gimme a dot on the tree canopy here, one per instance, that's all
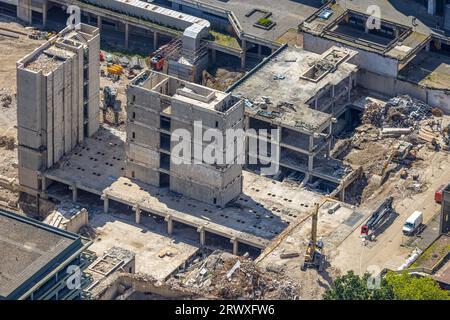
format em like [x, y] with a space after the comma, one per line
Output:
[408, 287]
[393, 286]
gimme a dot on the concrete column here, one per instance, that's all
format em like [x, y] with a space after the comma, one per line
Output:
[43, 183]
[74, 193]
[169, 221]
[259, 50]
[155, 40]
[427, 47]
[24, 11]
[350, 85]
[213, 56]
[202, 232]
[138, 214]
[44, 13]
[311, 143]
[89, 18]
[105, 204]
[127, 33]
[342, 194]
[99, 23]
[310, 163]
[316, 102]
[432, 7]
[235, 244]
[244, 54]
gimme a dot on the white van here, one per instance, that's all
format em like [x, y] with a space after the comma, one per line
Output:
[412, 223]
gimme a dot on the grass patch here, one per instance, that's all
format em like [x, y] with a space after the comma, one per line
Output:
[264, 22]
[439, 249]
[224, 40]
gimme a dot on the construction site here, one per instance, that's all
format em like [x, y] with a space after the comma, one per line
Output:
[90, 146]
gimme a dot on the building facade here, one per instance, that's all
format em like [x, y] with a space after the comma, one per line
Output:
[57, 101]
[159, 105]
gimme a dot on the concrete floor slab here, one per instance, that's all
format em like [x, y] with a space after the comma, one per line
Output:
[263, 211]
[147, 240]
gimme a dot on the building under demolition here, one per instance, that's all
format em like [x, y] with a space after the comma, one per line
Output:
[157, 106]
[57, 101]
[306, 96]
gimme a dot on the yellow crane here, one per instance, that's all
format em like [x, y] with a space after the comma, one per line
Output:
[314, 256]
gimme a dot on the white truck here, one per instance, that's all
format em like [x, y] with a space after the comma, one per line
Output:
[412, 223]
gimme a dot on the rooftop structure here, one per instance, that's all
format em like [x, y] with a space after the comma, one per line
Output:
[395, 41]
[151, 12]
[35, 258]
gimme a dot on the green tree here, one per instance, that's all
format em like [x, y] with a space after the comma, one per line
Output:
[354, 287]
[408, 287]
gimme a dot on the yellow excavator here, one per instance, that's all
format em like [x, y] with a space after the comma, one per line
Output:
[314, 256]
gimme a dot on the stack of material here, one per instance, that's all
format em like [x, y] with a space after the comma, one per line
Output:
[398, 112]
[229, 277]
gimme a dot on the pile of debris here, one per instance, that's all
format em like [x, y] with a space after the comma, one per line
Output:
[226, 276]
[398, 112]
[222, 79]
[7, 142]
[6, 98]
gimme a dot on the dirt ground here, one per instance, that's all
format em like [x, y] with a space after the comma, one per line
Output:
[120, 85]
[387, 251]
[344, 248]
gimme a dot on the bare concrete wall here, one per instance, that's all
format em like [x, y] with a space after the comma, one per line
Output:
[392, 87]
[364, 59]
[94, 85]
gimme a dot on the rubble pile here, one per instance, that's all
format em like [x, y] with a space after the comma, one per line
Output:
[398, 112]
[7, 142]
[229, 277]
[221, 79]
[6, 98]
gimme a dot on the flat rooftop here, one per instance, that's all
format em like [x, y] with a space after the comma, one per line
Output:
[397, 38]
[156, 254]
[283, 78]
[27, 247]
[48, 57]
[263, 211]
[429, 69]
[286, 13]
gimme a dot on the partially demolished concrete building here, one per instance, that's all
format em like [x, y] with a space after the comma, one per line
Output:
[57, 101]
[305, 96]
[157, 106]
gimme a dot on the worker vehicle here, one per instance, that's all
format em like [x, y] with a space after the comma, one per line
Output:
[157, 62]
[159, 57]
[314, 256]
[115, 69]
[378, 217]
[412, 223]
[109, 97]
